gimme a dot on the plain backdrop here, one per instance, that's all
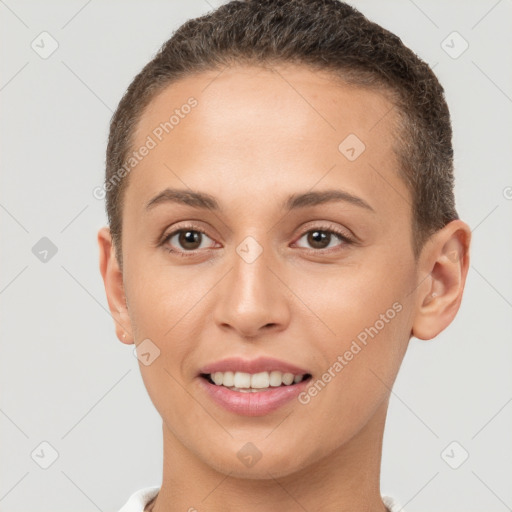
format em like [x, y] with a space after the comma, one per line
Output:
[72, 398]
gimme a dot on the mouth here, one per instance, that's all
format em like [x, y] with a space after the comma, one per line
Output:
[253, 394]
[253, 387]
[243, 382]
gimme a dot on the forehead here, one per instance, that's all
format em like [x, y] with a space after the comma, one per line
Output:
[259, 130]
[245, 101]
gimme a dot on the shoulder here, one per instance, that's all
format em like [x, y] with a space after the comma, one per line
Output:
[392, 504]
[139, 499]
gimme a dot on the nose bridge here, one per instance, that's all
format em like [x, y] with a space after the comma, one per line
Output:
[251, 297]
[251, 272]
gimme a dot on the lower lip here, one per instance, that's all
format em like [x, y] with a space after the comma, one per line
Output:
[253, 403]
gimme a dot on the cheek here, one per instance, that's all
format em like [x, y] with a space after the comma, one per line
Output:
[362, 362]
[349, 299]
[162, 327]
[367, 313]
[167, 306]
[158, 296]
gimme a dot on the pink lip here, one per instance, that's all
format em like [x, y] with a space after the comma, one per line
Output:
[253, 404]
[261, 364]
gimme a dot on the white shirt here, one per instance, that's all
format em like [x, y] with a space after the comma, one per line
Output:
[138, 500]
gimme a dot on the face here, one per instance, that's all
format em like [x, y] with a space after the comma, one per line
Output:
[300, 252]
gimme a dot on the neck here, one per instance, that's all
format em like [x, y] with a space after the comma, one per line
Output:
[346, 480]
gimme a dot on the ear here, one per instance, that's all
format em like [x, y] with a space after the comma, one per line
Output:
[114, 287]
[444, 264]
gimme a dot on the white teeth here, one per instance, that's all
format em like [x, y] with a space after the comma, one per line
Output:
[241, 381]
[260, 380]
[217, 378]
[228, 379]
[287, 378]
[275, 378]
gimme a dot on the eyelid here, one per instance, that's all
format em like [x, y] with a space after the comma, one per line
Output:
[326, 226]
[191, 225]
[320, 225]
[177, 229]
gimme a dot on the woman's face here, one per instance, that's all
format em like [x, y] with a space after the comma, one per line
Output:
[252, 277]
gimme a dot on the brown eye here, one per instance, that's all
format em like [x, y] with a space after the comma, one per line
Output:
[189, 239]
[319, 239]
[322, 238]
[186, 240]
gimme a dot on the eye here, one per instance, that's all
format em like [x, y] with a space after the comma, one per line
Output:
[187, 239]
[321, 238]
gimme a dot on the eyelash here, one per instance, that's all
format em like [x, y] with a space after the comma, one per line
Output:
[185, 254]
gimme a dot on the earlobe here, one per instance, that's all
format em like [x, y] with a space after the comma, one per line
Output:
[114, 287]
[445, 263]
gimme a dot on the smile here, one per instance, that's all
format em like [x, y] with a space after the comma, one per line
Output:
[247, 382]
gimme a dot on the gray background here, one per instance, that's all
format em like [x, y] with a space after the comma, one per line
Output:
[66, 380]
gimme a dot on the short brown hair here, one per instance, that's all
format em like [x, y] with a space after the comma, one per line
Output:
[322, 34]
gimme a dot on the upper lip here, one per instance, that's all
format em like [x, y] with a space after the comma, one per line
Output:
[260, 364]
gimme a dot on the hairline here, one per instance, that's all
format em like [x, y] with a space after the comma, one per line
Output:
[345, 76]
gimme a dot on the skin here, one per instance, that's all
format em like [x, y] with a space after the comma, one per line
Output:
[256, 136]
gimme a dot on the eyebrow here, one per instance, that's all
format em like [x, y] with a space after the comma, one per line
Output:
[295, 201]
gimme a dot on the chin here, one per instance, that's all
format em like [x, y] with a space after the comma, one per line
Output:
[256, 461]
[260, 471]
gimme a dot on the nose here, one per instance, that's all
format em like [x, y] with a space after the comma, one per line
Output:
[252, 298]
